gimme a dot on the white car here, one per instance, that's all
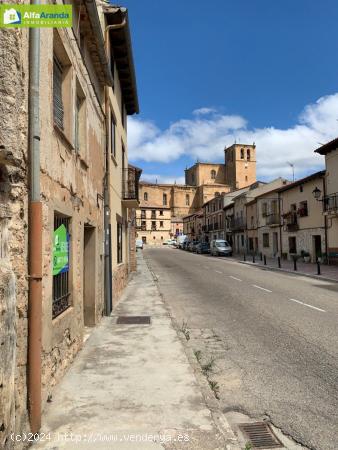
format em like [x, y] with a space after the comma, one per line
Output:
[219, 247]
[139, 244]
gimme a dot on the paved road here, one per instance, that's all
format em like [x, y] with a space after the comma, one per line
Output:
[274, 337]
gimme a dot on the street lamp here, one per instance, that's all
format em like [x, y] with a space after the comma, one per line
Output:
[317, 193]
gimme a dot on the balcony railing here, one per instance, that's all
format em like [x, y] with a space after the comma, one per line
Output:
[130, 183]
[331, 203]
[273, 219]
[291, 221]
[239, 224]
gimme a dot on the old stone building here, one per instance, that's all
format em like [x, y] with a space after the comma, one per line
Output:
[328, 196]
[203, 181]
[67, 198]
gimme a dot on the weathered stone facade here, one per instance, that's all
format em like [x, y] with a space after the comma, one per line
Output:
[13, 233]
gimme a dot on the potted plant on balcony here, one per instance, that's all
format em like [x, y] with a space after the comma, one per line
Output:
[306, 256]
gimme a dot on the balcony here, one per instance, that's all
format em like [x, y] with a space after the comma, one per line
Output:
[273, 219]
[130, 187]
[331, 204]
[239, 224]
[291, 221]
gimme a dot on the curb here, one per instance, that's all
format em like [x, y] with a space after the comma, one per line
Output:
[290, 272]
[220, 421]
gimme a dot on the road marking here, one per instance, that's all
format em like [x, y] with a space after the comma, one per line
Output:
[263, 289]
[235, 278]
[305, 304]
[218, 271]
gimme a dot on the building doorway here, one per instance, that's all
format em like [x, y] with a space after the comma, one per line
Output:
[89, 275]
[317, 247]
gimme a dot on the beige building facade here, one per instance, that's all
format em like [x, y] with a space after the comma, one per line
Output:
[56, 242]
[303, 224]
[329, 197]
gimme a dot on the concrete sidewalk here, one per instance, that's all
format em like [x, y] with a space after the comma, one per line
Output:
[329, 273]
[132, 385]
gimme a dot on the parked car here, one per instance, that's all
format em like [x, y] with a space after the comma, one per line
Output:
[203, 247]
[139, 244]
[186, 245]
[181, 240]
[169, 242]
[219, 247]
[194, 246]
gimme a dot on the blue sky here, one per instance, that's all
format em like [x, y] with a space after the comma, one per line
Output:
[212, 72]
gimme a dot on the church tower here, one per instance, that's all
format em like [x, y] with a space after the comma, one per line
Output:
[240, 165]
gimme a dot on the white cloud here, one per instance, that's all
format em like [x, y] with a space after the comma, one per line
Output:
[204, 111]
[204, 138]
[161, 179]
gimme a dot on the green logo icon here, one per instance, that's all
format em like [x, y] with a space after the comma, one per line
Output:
[35, 16]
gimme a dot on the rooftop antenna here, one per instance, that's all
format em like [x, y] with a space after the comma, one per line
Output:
[293, 170]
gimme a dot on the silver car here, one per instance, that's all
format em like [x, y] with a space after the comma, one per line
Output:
[219, 247]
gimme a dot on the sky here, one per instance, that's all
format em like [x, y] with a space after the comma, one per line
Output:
[212, 73]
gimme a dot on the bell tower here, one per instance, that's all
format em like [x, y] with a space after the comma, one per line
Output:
[240, 165]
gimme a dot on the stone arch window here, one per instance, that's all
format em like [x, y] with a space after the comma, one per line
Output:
[217, 194]
[187, 200]
[242, 153]
[213, 174]
[248, 154]
[145, 196]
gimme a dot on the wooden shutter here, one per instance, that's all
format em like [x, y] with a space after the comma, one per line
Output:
[57, 94]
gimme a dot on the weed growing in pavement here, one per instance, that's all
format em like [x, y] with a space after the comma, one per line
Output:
[207, 368]
[185, 331]
[198, 355]
[248, 446]
[214, 387]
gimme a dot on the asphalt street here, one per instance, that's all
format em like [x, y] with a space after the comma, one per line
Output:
[274, 338]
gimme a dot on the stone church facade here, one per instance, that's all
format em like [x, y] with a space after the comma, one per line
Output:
[203, 181]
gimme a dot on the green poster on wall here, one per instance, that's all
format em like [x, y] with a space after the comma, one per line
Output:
[60, 250]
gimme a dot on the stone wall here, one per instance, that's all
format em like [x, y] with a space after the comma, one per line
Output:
[120, 280]
[13, 233]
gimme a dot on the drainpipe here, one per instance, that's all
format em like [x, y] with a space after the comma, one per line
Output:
[325, 221]
[34, 237]
[108, 275]
[280, 224]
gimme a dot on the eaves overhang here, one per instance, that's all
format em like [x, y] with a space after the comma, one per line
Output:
[90, 23]
[121, 48]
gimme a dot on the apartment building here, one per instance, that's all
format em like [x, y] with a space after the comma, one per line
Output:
[57, 275]
[328, 196]
[214, 218]
[193, 226]
[155, 228]
[302, 221]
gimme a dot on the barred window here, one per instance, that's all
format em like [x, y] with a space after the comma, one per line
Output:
[61, 289]
[58, 109]
[119, 242]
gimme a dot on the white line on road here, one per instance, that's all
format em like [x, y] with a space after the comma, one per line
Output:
[305, 304]
[235, 278]
[218, 271]
[263, 289]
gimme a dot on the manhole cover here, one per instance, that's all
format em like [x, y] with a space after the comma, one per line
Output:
[133, 320]
[260, 435]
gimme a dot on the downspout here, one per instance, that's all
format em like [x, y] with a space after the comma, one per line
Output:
[280, 225]
[325, 221]
[108, 273]
[34, 237]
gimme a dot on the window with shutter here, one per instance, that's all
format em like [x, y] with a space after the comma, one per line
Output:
[58, 110]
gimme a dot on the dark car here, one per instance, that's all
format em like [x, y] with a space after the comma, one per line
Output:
[193, 246]
[202, 247]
